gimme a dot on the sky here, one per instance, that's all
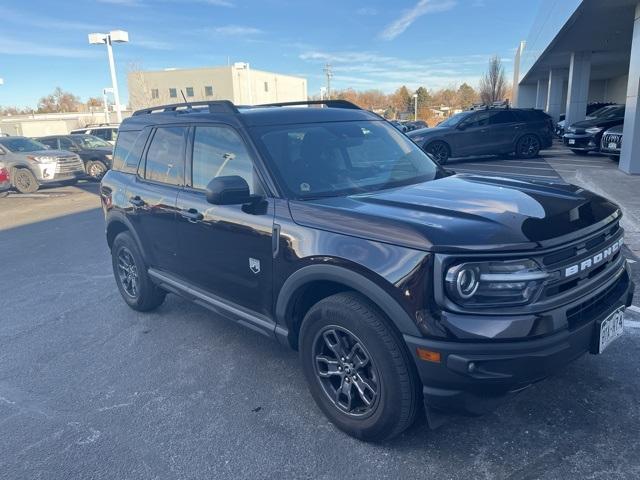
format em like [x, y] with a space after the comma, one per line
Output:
[375, 44]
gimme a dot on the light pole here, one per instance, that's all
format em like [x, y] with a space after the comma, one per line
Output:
[105, 102]
[323, 92]
[117, 36]
[415, 107]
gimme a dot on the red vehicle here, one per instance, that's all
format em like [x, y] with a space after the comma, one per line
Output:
[5, 183]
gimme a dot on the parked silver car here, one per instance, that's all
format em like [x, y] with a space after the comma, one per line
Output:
[31, 164]
[611, 142]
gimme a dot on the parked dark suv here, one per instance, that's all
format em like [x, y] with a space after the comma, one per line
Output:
[94, 152]
[586, 136]
[330, 231]
[487, 131]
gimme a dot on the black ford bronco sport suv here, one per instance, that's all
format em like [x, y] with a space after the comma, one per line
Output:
[402, 285]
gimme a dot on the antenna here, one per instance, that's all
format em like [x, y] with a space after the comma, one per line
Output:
[185, 100]
[328, 71]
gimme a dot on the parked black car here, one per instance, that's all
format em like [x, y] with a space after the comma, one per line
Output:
[490, 131]
[611, 143]
[585, 136]
[594, 109]
[97, 154]
[415, 125]
[330, 231]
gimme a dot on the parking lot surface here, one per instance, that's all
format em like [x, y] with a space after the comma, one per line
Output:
[92, 389]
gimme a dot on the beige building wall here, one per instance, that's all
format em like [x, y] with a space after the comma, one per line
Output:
[238, 83]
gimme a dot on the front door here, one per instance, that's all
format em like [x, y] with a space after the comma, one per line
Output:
[225, 250]
[471, 136]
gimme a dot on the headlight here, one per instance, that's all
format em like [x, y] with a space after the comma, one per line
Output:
[593, 130]
[480, 284]
[42, 158]
[571, 130]
[109, 157]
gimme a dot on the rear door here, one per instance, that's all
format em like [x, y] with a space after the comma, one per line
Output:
[226, 250]
[152, 197]
[504, 128]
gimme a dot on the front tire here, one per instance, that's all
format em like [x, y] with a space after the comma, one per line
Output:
[357, 368]
[131, 275]
[96, 169]
[24, 181]
[439, 150]
[528, 146]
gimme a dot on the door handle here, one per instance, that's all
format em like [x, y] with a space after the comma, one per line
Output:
[136, 202]
[192, 215]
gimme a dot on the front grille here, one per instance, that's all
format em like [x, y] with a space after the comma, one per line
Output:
[68, 165]
[597, 304]
[612, 138]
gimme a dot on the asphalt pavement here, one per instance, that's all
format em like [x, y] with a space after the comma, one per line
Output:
[90, 389]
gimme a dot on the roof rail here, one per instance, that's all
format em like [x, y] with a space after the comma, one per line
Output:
[215, 106]
[328, 103]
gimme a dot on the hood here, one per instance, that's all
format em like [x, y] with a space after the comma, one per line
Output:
[463, 212]
[597, 122]
[426, 132]
[49, 153]
[617, 130]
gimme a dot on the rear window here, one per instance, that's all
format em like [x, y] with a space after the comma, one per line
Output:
[128, 151]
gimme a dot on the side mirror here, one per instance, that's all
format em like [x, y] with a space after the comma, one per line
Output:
[230, 190]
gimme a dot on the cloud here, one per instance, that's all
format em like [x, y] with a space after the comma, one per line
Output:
[423, 7]
[234, 30]
[363, 69]
[11, 46]
[367, 11]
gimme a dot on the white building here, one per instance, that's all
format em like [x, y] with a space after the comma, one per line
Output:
[582, 51]
[239, 83]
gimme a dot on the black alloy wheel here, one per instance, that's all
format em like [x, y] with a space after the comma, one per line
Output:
[528, 146]
[439, 151]
[346, 371]
[128, 272]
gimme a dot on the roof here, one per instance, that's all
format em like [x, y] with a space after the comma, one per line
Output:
[249, 116]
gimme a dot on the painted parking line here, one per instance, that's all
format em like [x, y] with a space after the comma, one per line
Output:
[634, 308]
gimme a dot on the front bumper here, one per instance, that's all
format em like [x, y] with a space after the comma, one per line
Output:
[585, 142]
[474, 377]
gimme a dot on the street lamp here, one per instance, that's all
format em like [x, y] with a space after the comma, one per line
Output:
[117, 36]
[415, 107]
[105, 102]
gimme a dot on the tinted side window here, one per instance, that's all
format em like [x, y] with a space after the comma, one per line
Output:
[128, 150]
[50, 142]
[220, 151]
[480, 119]
[503, 117]
[66, 144]
[165, 157]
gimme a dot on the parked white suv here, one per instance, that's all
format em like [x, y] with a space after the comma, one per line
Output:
[31, 164]
[104, 131]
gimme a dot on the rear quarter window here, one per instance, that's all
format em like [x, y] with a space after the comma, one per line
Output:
[128, 150]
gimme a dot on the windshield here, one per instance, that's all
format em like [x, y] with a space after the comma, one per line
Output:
[21, 144]
[615, 112]
[342, 158]
[454, 120]
[90, 141]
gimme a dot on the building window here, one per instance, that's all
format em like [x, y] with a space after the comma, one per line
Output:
[155, 93]
[208, 91]
[173, 93]
[266, 86]
[189, 91]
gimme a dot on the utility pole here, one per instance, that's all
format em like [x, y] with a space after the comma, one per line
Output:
[328, 71]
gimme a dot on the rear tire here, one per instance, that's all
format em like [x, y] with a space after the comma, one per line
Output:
[581, 153]
[24, 181]
[528, 146]
[131, 275]
[357, 368]
[439, 150]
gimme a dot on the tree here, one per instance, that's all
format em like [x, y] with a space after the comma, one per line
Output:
[493, 85]
[94, 102]
[447, 97]
[139, 90]
[59, 101]
[401, 100]
[467, 96]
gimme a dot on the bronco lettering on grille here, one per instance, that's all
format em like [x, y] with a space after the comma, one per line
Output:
[594, 260]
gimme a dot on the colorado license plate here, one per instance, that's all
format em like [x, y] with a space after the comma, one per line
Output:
[572, 141]
[613, 145]
[611, 328]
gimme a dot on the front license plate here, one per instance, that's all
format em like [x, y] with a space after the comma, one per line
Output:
[572, 141]
[613, 146]
[611, 328]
